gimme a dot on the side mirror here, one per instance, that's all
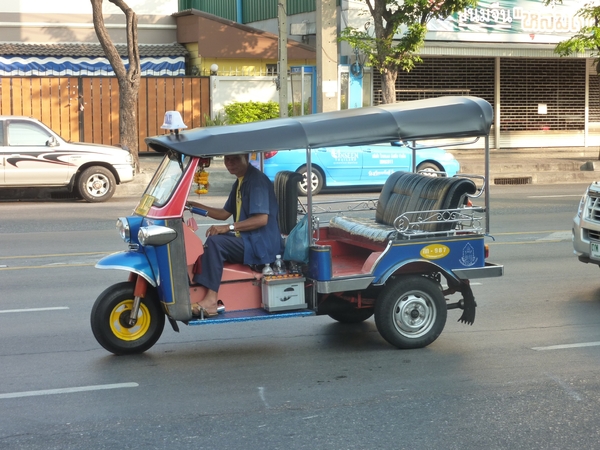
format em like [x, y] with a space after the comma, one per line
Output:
[52, 142]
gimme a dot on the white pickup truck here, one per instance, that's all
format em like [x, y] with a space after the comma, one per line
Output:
[32, 155]
[586, 226]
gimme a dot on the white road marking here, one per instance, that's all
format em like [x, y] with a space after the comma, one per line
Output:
[554, 196]
[32, 309]
[68, 390]
[563, 346]
[557, 236]
[261, 392]
[569, 390]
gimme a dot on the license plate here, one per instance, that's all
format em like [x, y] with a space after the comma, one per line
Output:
[595, 250]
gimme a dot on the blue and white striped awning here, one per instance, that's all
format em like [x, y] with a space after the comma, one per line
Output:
[85, 66]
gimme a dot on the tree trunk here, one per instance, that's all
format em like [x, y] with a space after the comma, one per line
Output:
[128, 123]
[388, 85]
[129, 79]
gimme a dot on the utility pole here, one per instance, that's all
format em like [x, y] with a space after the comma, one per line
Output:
[282, 64]
[327, 51]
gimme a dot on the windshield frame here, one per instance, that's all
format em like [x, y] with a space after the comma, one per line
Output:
[164, 183]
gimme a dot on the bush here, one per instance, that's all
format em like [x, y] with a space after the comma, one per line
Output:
[294, 109]
[243, 112]
[218, 120]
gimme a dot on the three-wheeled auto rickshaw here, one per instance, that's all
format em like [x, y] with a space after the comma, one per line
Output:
[420, 246]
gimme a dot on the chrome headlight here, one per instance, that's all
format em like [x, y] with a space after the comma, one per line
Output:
[123, 229]
[156, 235]
[582, 203]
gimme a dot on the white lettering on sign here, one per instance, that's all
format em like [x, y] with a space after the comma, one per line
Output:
[378, 173]
[531, 21]
[386, 161]
[341, 156]
[485, 15]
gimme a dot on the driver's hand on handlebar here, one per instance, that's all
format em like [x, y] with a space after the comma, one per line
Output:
[217, 229]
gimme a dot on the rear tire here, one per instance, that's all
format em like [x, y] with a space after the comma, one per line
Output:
[411, 312]
[430, 168]
[352, 315]
[109, 320]
[317, 181]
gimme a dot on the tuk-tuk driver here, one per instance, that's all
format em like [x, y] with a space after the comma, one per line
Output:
[253, 237]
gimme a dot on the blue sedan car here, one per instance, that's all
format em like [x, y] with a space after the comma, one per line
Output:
[366, 165]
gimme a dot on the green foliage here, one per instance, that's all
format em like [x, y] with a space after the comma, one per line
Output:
[406, 19]
[243, 112]
[294, 109]
[588, 37]
[218, 120]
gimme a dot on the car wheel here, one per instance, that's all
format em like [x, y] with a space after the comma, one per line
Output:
[96, 184]
[430, 169]
[411, 312]
[317, 181]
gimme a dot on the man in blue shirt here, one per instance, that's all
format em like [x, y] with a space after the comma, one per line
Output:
[252, 238]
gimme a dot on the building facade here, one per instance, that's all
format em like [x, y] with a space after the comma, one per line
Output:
[40, 38]
[502, 51]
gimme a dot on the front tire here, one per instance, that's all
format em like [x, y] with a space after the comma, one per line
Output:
[96, 184]
[109, 320]
[411, 312]
[317, 181]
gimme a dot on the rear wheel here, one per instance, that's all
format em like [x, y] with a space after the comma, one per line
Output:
[430, 169]
[316, 181]
[411, 312]
[96, 184]
[110, 320]
[352, 315]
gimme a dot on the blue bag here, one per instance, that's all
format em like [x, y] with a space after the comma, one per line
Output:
[297, 242]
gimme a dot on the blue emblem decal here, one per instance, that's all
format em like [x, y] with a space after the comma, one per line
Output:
[468, 256]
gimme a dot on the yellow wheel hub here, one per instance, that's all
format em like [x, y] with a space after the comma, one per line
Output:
[120, 316]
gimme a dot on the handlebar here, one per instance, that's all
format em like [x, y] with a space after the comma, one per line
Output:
[199, 211]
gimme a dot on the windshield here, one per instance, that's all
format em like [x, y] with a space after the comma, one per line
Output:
[165, 180]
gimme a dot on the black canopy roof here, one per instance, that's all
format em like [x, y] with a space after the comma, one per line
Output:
[436, 118]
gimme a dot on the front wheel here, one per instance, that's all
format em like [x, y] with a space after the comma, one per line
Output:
[411, 312]
[110, 320]
[96, 184]
[315, 181]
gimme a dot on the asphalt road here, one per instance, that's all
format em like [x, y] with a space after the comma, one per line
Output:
[525, 375]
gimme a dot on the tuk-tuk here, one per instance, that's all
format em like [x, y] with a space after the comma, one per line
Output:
[421, 244]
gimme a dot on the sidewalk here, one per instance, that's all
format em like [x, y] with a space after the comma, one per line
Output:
[534, 165]
[507, 166]
[220, 179]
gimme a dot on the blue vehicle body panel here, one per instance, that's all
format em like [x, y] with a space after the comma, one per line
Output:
[161, 262]
[360, 165]
[446, 254]
[166, 292]
[135, 262]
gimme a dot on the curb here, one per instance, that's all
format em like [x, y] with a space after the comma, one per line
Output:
[220, 179]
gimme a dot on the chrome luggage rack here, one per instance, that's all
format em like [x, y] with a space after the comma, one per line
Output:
[340, 206]
[413, 224]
